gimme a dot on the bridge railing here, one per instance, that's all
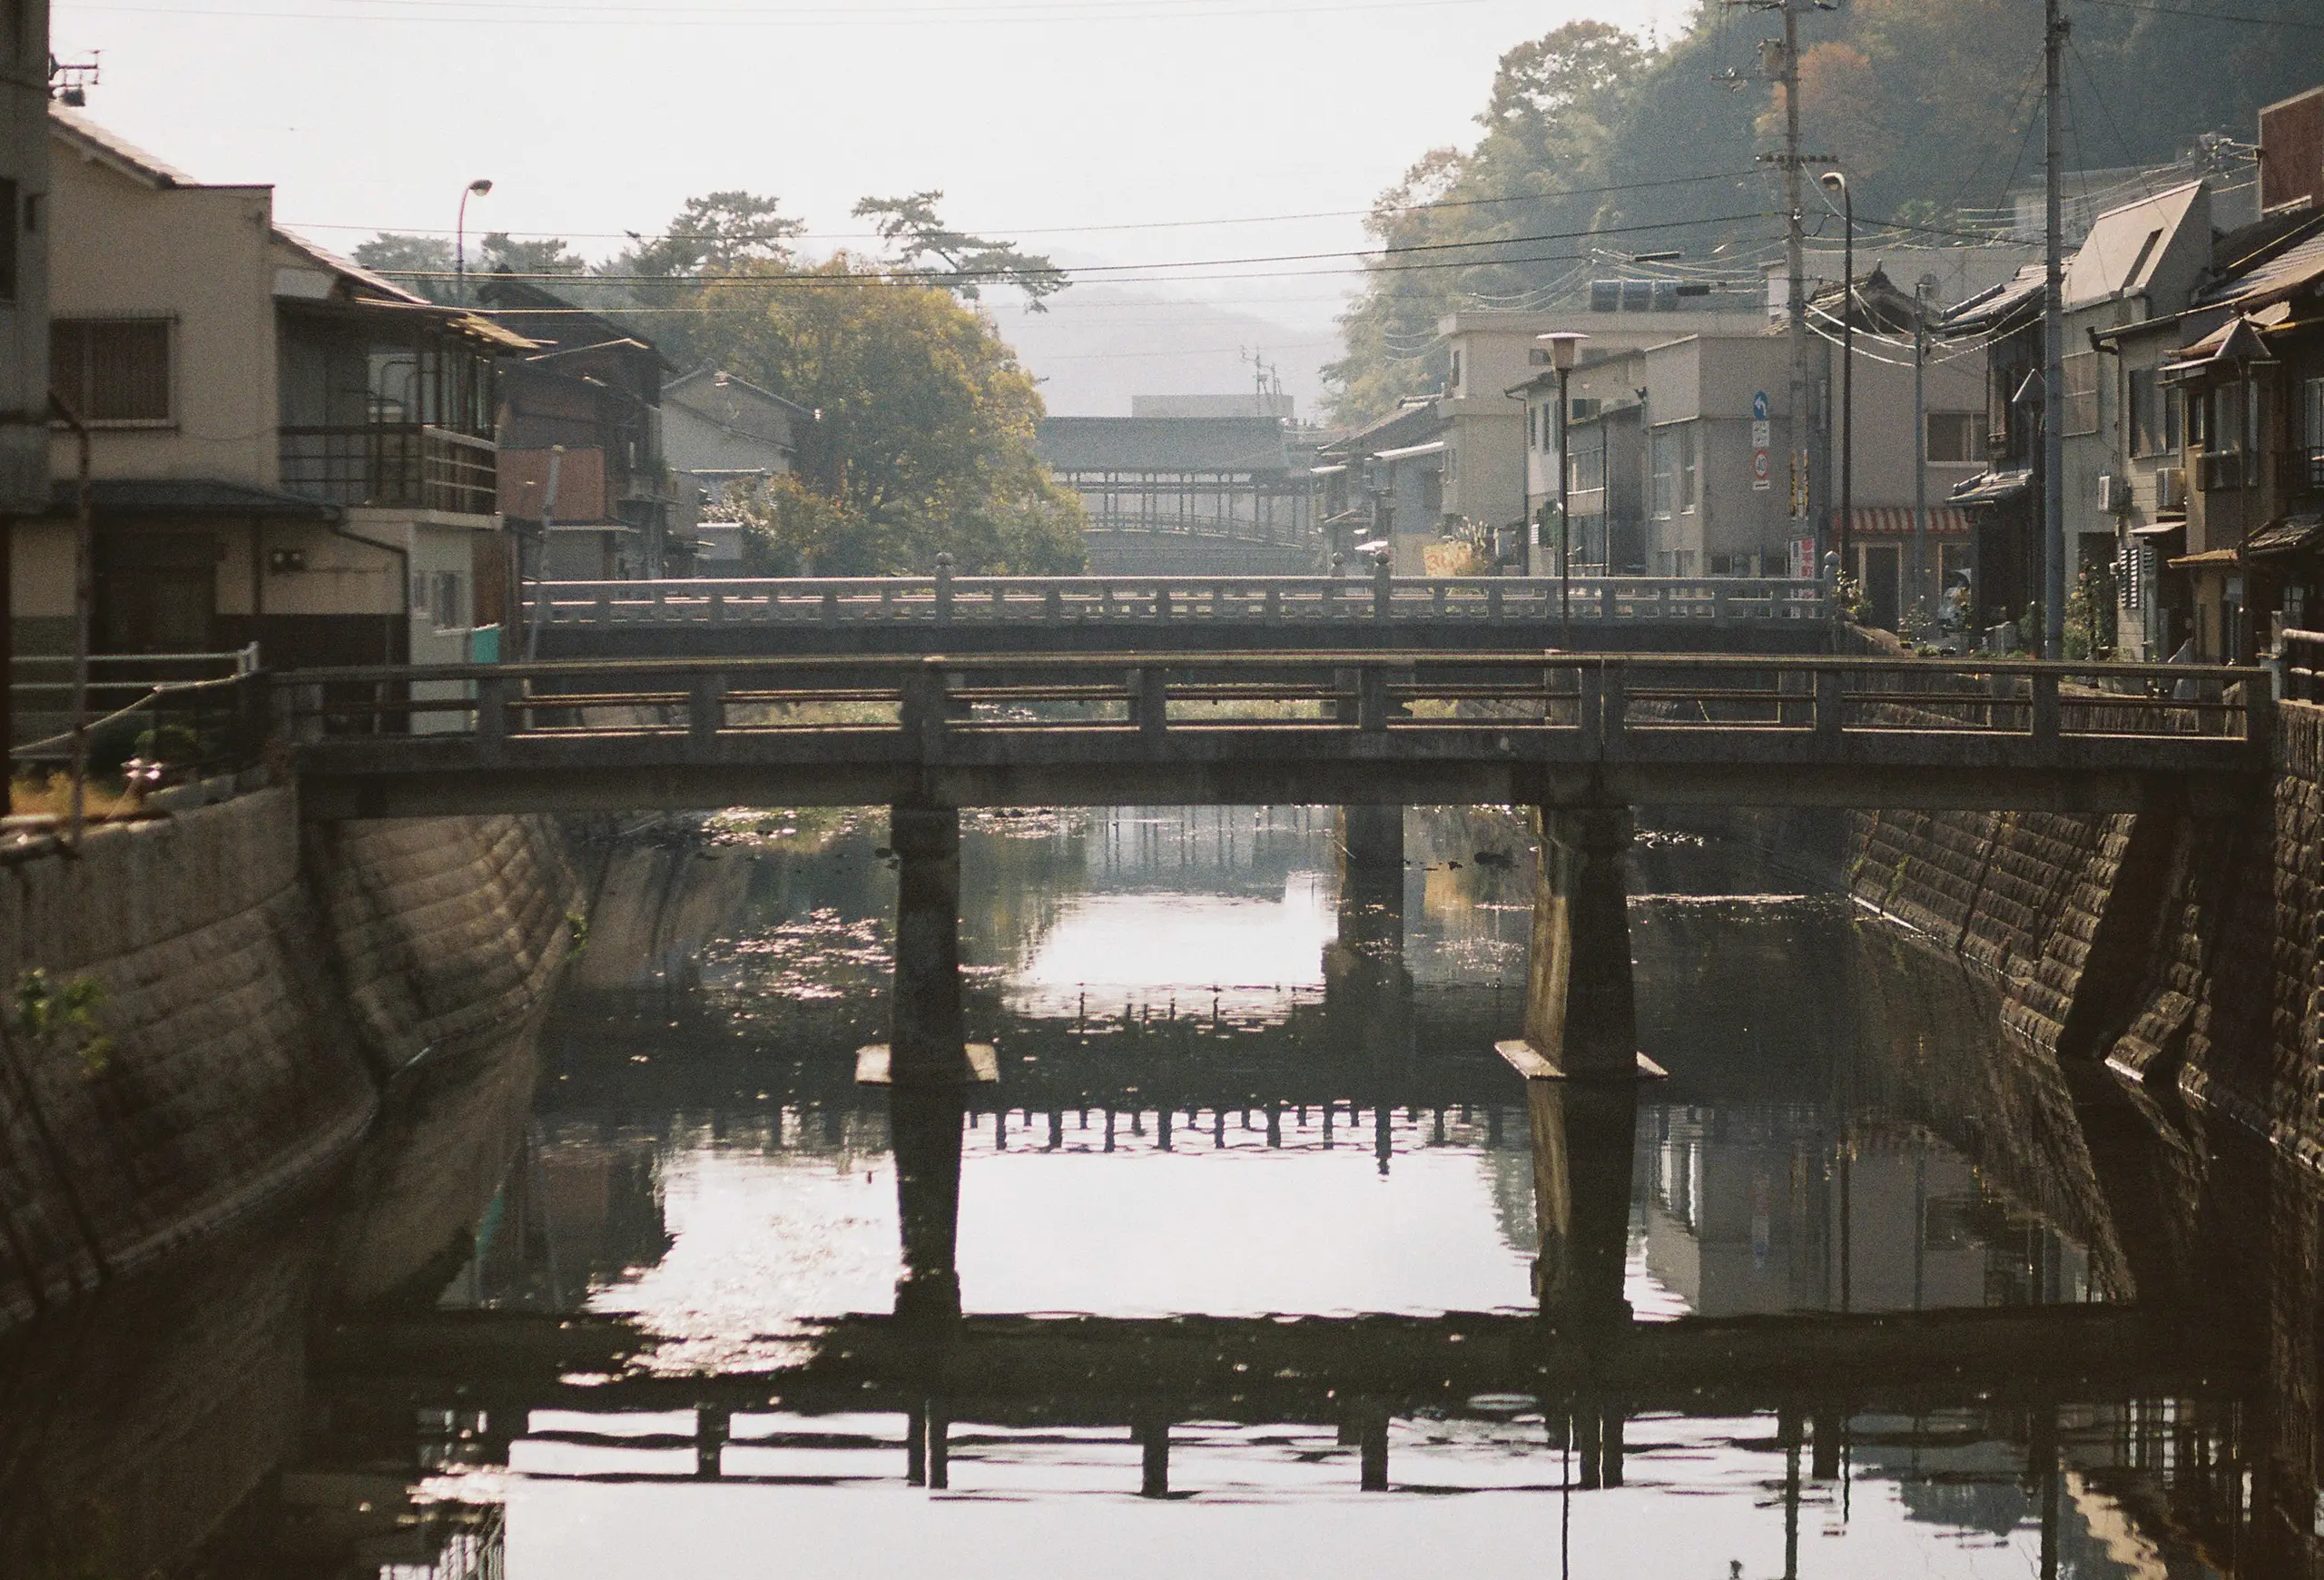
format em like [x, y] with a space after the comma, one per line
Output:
[1131, 600]
[1611, 705]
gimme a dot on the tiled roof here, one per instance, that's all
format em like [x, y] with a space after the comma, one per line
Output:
[1163, 444]
[102, 143]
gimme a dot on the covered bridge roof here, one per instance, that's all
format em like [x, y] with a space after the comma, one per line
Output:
[1163, 444]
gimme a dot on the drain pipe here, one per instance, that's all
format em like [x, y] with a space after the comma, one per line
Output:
[84, 551]
[403, 564]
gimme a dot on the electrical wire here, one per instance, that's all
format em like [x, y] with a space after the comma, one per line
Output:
[2189, 11]
[783, 277]
[1444, 204]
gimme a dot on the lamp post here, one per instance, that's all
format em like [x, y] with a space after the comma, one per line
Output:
[478, 188]
[1924, 596]
[1834, 182]
[1565, 350]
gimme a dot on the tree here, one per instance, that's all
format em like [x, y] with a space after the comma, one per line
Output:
[1509, 203]
[713, 234]
[910, 224]
[925, 438]
[500, 251]
[418, 263]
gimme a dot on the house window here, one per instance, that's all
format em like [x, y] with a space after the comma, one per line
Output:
[2081, 369]
[1456, 373]
[1589, 469]
[1664, 459]
[440, 599]
[2155, 414]
[1953, 438]
[1690, 495]
[111, 370]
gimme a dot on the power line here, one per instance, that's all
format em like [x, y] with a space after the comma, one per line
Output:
[2190, 11]
[1619, 187]
[811, 277]
[984, 13]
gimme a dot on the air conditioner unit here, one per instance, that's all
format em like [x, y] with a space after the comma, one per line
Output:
[2171, 489]
[2114, 494]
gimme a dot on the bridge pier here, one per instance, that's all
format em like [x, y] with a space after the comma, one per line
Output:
[928, 1040]
[1367, 989]
[1581, 1011]
[1585, 1148]
[924, 1126]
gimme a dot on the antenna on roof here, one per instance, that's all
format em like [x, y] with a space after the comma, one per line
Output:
[69, 80]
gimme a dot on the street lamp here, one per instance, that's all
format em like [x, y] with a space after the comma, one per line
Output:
[478, 188]
[1565, 350]
[1834, 182]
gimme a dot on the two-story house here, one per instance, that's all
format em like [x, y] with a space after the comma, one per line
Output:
[722, 432]
[584, 479]
[284, 448]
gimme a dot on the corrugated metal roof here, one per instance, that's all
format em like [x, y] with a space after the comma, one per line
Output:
[1163, 444]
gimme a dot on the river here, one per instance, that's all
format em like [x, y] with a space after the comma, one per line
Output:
[1250, 1255]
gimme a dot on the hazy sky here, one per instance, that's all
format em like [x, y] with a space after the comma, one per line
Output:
[1045, 119]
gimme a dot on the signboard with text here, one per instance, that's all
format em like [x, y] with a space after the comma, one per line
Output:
[1762, 436]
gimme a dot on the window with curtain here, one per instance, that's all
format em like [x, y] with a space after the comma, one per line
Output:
[111, 370]
[1690, 494]
[1663, 464]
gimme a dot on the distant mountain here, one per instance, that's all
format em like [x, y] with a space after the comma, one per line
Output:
[1098, 346]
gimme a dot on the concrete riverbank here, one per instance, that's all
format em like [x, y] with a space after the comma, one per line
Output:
[208, 1011]
[2184, 951]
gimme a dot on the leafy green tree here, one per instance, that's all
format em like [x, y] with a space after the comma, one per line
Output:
[418, 263]
[925, 438]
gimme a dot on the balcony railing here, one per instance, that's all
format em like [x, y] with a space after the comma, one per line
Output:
[2226, 468]
[404, 466]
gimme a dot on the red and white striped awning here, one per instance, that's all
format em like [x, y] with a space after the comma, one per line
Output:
[1896, 522]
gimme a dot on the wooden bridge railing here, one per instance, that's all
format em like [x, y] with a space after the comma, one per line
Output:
[1749, 702]
[1134, 600]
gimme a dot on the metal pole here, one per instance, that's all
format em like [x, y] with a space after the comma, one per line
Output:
[1922, 595]
[2053, 344]
[1565, 520]
[1794, 264]
[1847, 379]
[461, 254]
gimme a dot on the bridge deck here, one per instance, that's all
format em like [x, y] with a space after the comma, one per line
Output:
[1095, 613]
[1239, 729]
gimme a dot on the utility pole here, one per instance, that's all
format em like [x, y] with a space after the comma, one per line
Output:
[1779, 63]
[2053, 343]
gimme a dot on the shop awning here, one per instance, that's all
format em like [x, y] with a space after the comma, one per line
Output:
[1411, 451]
[1896, 522]
[2159, 528]
[2208, 559]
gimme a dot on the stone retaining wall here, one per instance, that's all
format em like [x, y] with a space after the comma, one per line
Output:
[2186, 953]
[253, 999]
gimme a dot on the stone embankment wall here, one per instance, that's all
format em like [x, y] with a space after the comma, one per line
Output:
[253, 1004]
[2184, 951]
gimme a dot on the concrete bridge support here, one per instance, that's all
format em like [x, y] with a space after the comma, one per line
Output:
[1581, 1013]
[927, 1041]
[1585, 1150]
[924, 1125]
[1367, 988]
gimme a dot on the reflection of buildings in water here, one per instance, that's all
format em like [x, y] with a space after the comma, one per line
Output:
[1764, 1211]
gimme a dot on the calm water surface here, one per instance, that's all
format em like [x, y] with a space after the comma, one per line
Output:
[1242, 1137]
